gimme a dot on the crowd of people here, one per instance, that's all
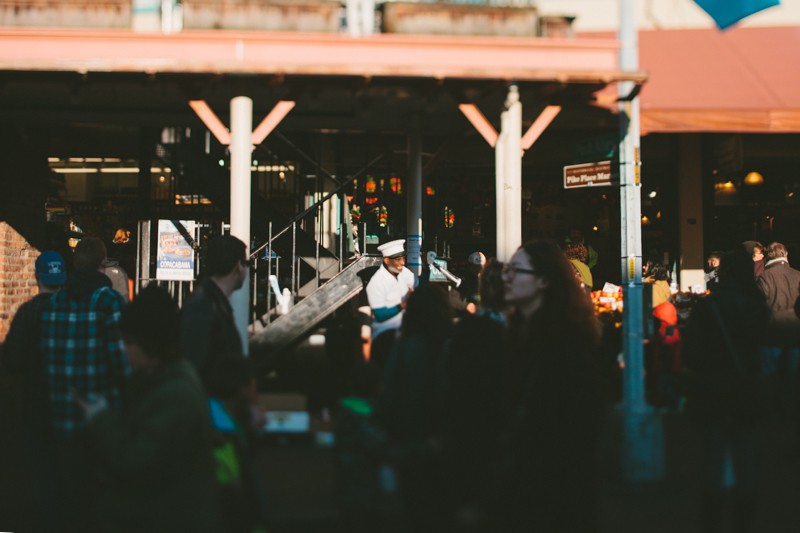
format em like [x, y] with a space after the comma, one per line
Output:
[487, 423]
[515, 388]
[138, 416]
[484, 416]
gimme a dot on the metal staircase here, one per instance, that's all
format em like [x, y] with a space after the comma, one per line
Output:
[322, 277]
[304, 317]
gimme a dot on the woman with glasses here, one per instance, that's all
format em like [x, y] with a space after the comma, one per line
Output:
[551, 341]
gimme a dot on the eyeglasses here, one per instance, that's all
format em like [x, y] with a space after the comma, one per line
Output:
[512, 270]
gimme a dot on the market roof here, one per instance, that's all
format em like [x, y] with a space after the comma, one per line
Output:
[706, 80]
[232, 52]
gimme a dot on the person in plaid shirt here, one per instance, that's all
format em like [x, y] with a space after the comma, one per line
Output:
[83, 357]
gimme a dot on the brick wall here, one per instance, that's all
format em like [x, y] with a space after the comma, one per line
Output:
[17, 281]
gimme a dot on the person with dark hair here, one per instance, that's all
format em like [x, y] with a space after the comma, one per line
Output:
[756, 251]
[712, 275]
[658, 275]
[207, 326]
[473, 419]
[22, 355]
[82, 349]
[552, 338]
[412, 405]
[490, 286]
[780, 282]
[575, 236]
[721, 349]
[578, 254]
[156, 449]
[232, 388]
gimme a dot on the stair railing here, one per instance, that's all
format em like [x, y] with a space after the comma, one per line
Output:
[261, 277]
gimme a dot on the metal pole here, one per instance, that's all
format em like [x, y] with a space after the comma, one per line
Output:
[414, 200]
[294, 251]
[269, 271]
[241, 157]
[254, 300]
[512, 167]
[138, 272]
[319, 215]
[364, 238]
[642, 430]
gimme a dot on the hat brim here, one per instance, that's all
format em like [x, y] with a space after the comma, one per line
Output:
[395, 256]
[53, 280]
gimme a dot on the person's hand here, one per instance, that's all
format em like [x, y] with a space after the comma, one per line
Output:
[90, 407]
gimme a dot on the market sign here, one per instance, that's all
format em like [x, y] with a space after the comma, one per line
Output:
[175, 256]
[587, 175]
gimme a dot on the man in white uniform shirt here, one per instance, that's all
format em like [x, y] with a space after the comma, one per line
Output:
[389, 288]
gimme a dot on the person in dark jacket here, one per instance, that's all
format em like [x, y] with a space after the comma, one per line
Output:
[549, 461]
[82, 349]
[22, 356]
[412, 405]
[780, 283]
[154, 452]
[207, 327]
[722, 352]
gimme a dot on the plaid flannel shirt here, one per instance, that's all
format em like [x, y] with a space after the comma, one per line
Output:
[83, 353]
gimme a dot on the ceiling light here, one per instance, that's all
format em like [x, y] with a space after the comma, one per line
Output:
[753, 178]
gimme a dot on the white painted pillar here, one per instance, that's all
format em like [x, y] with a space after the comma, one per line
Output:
[414, 200]
[360, 15]
[241, 149]
[690, 211]
[512, 193]
[500, 186]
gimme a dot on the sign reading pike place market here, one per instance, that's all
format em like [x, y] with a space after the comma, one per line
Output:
[587, 175]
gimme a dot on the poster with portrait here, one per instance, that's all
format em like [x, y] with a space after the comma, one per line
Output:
[175, 256]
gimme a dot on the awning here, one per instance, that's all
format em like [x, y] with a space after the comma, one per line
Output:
[740, 80]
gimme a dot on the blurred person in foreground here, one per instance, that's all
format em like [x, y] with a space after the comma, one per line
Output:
[154, 452]
[22, 356]
[721, 351]
[82, 353]
[232, 390]
[412, 404]
[549, 462]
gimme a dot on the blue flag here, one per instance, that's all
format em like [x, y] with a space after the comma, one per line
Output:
[728, 12]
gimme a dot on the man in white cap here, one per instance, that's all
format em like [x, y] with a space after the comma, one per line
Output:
[389, 287]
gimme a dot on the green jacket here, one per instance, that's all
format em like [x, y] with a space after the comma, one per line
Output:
[156, 456]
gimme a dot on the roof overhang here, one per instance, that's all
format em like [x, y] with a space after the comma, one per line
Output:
[579, 61]
[720, 120]
[742, 80]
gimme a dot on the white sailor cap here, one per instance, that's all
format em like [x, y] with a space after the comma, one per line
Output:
[393, 249]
